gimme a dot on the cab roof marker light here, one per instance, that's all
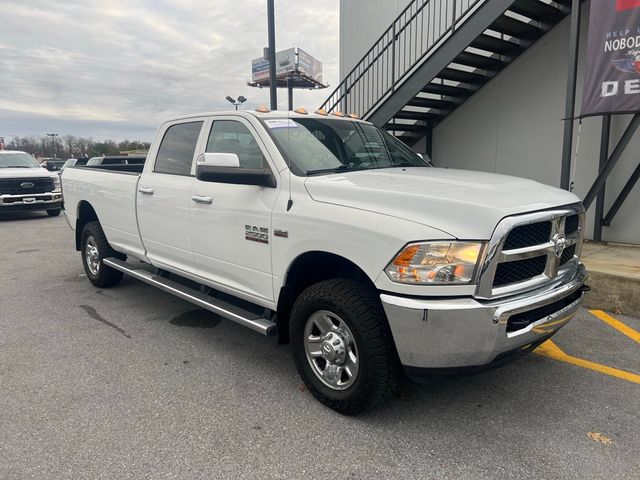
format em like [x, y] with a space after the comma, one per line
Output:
[321, 111]
[354, 116]
[302, 111]
[338, 113]
[263, 109]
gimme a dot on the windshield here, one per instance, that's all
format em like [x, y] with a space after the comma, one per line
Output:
[316, 146]
[17, 160]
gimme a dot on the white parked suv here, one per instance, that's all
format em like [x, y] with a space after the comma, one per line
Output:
[338, 238]
[26, 185]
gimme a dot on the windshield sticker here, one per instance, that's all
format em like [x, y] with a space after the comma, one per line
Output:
[274, 124]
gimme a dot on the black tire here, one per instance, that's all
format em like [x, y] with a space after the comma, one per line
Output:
[54, 213]
[360, 309]
[102, 276]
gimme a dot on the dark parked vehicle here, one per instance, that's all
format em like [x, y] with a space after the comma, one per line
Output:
[53, 164]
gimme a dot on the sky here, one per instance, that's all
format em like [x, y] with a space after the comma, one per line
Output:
[118, 68]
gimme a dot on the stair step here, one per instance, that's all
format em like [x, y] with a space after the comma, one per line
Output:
[432, 103]
[515, 28]
[479, 61]
[423, 116]
[448, 90]
[536, 10]
[225, 309]
[462, 76]
[406, 127]
[496, 45]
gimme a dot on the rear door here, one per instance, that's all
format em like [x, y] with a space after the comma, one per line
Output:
[164, 197]
[232, 234]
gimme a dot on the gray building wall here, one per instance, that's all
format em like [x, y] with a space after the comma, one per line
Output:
[361, 24]
[514, 124]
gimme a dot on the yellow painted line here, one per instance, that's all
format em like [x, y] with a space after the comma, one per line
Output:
[551, 350]
[617, 324]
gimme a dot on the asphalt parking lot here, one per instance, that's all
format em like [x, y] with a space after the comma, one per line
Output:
[133, 383]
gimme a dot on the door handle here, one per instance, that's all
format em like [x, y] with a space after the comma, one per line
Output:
[202, 199]
[146, 190]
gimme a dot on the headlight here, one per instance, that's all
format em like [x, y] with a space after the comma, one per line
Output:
[435, 262]
[56, 182]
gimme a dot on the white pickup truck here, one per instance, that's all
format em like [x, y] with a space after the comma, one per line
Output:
[25, 185]
[338, 238]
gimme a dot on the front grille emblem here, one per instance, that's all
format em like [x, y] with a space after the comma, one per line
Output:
[559, 244]
[27, 185]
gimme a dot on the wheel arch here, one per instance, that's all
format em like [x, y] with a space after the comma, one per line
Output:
[307, 269]
[85, 213]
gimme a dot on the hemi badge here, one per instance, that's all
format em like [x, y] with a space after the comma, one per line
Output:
[281, 233]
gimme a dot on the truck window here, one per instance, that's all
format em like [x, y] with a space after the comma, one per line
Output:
[228, 136]
[175, 155]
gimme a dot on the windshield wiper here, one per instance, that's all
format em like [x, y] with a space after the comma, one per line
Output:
[406, 164]
[341, 168]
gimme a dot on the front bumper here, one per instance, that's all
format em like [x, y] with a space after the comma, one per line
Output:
[463, 333]
[39, 201]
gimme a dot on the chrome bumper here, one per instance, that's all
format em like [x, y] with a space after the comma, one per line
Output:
[25, 201]
[464, 332]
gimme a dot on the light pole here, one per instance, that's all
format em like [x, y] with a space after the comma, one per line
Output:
[53, 141]
[241, 99]
[271, 33]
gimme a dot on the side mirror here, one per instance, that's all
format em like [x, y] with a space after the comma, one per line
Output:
[225, 168]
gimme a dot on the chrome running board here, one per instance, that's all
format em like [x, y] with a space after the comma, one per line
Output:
[234, 313]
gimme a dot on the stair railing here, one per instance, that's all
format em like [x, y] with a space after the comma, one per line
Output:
[417, 31]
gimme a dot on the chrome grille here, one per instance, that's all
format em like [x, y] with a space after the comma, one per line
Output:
[572, 224]
[568, 254]
[528, 235]
[529, 251]
[512, 272]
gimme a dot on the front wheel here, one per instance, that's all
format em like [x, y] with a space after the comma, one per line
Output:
[95, 249]
[343, 346]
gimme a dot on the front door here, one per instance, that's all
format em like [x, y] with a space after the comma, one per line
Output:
[231, 236]
[164, 199]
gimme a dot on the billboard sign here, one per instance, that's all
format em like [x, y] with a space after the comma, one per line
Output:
[287, 61]
[309, 66]
[612, 75]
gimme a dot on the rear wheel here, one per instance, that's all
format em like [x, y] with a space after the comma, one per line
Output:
[342, 345]
[95, 249]
[54, 212]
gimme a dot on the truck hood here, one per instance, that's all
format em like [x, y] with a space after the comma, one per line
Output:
[24, 173]
[465, 204]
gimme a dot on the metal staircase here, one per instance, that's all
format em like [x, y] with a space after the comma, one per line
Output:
[435, 55]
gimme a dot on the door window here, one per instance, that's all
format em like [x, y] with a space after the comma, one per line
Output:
[175, 155]
[228, 136]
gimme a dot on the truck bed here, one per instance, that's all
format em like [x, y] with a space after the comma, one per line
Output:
[112, 190]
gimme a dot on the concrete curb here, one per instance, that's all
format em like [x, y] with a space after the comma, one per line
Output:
[613, 293]
[614, 277]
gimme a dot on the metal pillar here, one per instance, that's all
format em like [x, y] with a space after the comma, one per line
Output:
[569, 109]
[290, 90]
[272, 54]
[633, 179]
[429, 140]
[611, 162]
[604, 155]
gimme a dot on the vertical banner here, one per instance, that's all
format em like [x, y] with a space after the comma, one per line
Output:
[612, 75]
